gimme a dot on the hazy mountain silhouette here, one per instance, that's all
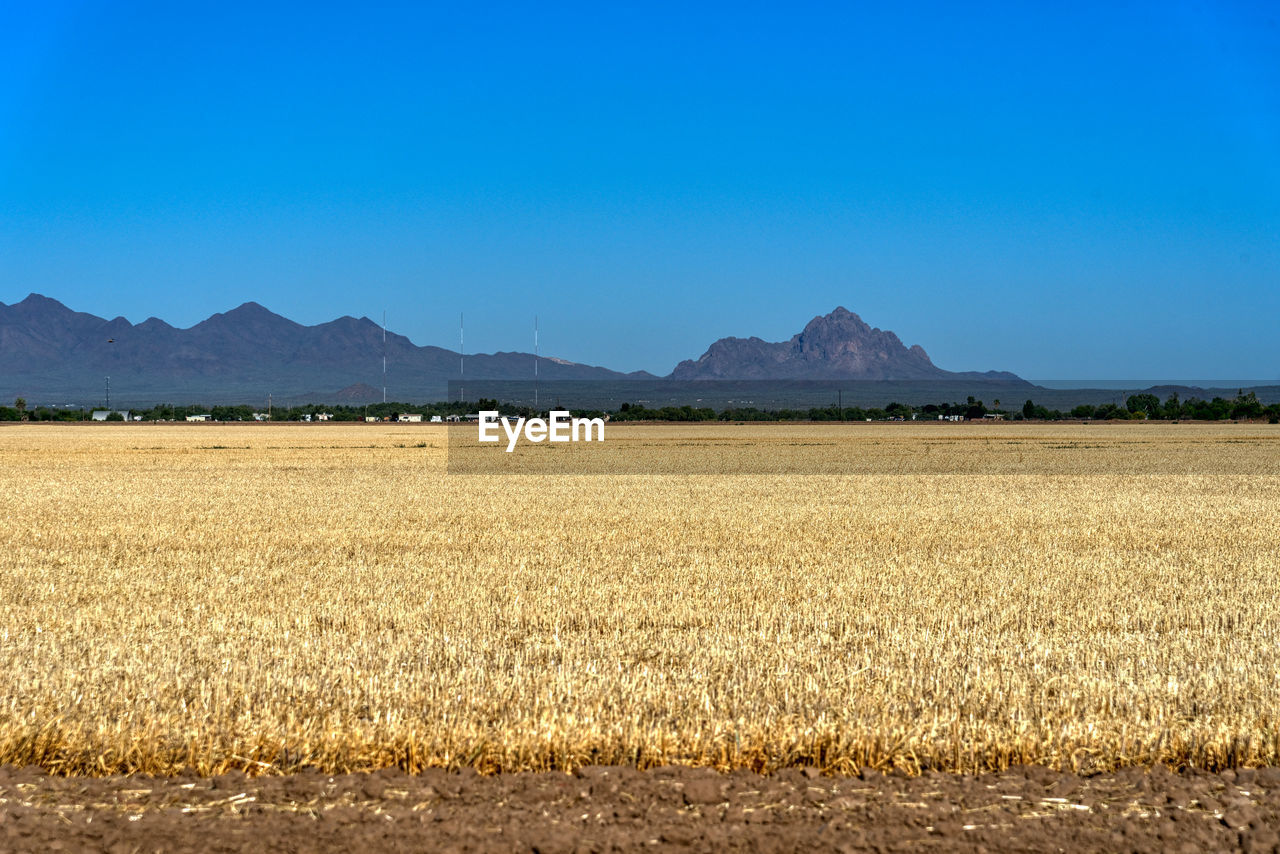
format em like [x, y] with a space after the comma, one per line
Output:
[49, 352]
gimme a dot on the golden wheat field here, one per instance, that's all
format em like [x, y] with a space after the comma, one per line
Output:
[272, 597]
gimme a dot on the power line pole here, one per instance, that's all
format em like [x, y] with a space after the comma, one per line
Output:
[384, 355]
[108, 393]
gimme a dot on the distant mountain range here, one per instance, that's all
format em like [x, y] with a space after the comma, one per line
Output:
[52, 354]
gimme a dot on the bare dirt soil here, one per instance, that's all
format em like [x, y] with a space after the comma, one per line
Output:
[622, 809]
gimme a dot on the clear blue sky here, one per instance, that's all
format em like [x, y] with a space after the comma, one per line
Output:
[1091, 190]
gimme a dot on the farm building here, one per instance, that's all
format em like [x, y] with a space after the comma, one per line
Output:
[408, 417]
[199, 417]
[101, 414]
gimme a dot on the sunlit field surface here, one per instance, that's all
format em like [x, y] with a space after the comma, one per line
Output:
[272, 597]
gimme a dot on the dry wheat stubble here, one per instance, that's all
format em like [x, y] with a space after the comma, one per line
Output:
[272, 598]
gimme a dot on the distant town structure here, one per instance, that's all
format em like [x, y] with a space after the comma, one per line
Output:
[408, 417]
[203, 417]
[101, 414]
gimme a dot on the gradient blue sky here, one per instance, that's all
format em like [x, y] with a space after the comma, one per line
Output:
[1091, 190]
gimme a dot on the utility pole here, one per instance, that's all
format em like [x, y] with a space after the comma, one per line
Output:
[840, 399]
[268, 406]
[108, 394]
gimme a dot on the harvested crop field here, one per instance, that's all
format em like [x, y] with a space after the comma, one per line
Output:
[276, 598]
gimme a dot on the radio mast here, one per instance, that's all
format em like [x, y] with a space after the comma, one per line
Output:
[535, 361]
[384, 355]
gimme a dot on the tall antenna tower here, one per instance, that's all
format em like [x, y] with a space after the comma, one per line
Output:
[535, 361]
[384, 355]
[462, 347]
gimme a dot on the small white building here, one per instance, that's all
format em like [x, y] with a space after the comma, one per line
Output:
[436, 419]
[324, 416]
[101, 414]
[260, 416]
[371, 419]
[408, 417]
[199, 417]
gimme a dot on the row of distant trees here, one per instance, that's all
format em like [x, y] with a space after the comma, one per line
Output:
[1244, 406]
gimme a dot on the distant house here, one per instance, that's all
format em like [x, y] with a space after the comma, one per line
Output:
[408, 417]
[324, 416]
[436, 419]
[372, 419]
[453, 418]
[260, 416]
[205, 417]
[101, 414]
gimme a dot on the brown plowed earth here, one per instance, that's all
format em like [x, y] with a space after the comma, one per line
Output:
[622, 809]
